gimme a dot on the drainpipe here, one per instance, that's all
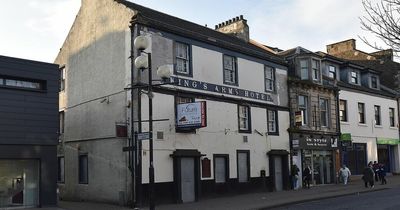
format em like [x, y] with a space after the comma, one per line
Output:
[132, 154]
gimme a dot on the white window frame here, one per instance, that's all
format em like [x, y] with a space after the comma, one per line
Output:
[304, 109]
[269, 82]
[324, 111]
[230, 71]
[182, 58]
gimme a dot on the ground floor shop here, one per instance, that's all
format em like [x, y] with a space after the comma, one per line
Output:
[27, 176]
[319, 153]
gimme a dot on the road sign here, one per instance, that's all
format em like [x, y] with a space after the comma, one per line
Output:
[142, 136]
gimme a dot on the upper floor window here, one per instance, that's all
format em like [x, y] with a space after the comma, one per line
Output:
[343, 110]
[272, 122]
[354, 77]
[374, 82]
[230, 70]
[304, 69]
[315, 69]
[361, 113]
[182, 58]
[303, 107]
[391, 117]
[323, 106]
[269, 78]
[244, 118]
[22, 83]
[377, 115]
[332, 71]
[62, 78]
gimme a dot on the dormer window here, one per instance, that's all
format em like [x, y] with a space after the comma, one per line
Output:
[304, 69]
[354, 77]
[332, 72]
[374, 82]
[315, 69]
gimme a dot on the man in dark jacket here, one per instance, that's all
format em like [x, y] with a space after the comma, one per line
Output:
[307, 177]
[368, 176]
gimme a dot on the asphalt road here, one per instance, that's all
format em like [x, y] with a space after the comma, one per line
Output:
[388, 199]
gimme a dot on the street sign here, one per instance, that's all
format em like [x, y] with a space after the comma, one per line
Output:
[142, 136]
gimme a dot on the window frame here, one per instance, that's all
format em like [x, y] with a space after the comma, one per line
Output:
[62, 78]
[304, 109]
[41, 83]
[248, 118]
[272, 79]
[317, 70]
[392, 119]
[275, 121]
[377, 115]
[344, 112]
[357, 78]
[361, 115]
[326, 112]
[334, 73]
[235, 70]
[307, 67]
[60, 170]
[80, 175]
[372, 82]
[188, 59]
[62, 122]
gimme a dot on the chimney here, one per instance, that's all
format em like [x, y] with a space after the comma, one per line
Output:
[236, 26]
[386, 55]
[340, 47]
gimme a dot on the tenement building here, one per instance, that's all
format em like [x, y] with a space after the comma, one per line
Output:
[220, 121]
[313, 101]
[28, 133]
[368, 107]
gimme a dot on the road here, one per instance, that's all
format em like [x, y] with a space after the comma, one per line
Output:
[388, 199]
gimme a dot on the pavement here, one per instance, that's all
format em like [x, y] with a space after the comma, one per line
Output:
[252, 201]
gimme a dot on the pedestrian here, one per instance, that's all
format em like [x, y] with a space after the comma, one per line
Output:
[375, 167]
[344, 174]
[295, 175]
[307, 177]
[382, 173]
[368, 176]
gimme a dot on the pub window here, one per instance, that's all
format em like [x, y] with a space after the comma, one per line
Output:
[182, 59]
[377, 110]
[343, 110]
[323, 106]
[244, 119]
[272, 122]
[391, 117]
[60, 171]
[83, 169]
[269, 73]
[361, 113]
[303, 107]
[230, 70]
[243, 168]
[304, 69]
[315, 69]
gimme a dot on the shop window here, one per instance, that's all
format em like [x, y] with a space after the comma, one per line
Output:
[83, 169]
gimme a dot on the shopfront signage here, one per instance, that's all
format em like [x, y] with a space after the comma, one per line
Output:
[199, 85]
[387, 141]
[191, 115]
[315, 142]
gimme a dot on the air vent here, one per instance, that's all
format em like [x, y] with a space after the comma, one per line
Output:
[245, 139]
[160, 135]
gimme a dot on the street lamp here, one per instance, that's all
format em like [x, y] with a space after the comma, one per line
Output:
[142, 62]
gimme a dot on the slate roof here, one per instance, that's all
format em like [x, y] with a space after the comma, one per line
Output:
[165, 22]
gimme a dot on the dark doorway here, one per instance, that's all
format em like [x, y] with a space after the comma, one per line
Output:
[356, 158]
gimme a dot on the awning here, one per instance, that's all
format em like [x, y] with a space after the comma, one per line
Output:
[345, 137]
[387, 141]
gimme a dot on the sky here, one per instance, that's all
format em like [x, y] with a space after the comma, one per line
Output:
[36, 29]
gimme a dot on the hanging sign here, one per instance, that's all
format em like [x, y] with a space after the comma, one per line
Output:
[191, 115]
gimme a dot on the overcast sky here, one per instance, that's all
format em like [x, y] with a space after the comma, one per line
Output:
[36, 29]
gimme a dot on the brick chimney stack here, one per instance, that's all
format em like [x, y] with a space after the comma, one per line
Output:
[340, 47]
[236, 26]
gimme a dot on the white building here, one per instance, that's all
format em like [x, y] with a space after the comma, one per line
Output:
[242, 144]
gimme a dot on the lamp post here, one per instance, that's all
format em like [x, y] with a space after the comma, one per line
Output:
[143, 62]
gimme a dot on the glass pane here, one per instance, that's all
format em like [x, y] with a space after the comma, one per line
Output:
[228, 62]
[19, 183]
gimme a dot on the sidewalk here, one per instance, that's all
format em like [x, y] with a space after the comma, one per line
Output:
[254, 200]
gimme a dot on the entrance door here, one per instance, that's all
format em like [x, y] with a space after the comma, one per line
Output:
[278, 173]
[220, 170]
[383, 156]
[357, 158]
[187, 180]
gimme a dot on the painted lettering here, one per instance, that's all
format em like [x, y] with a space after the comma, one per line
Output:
[223, 89]
[194, 84]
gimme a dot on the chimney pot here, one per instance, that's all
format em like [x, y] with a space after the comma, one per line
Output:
[216, 26]
[237, 18]
[226, 22]
[230, 21]
[241, 17]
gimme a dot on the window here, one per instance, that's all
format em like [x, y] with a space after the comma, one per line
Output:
[332, 72]
[377, 115]
[374, 82]
[244, 119]
[269, 78]
[83, 169]
[323, 106]
[21, 83]
[315, 69]
[60, 172]
[391, 117]
[182, 58]
[361, 113]
[272, 119]
[354, 77]
[304, 69]
[62, 122]
[243, 167]
[230, 70]
[343, 110]
[303, 107]
[62, 79]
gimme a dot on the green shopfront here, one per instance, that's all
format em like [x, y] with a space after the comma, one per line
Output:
[387, 149]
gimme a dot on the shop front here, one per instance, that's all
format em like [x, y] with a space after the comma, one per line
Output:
[319, 153]
[386, 152]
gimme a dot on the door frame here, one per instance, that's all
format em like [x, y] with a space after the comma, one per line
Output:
[221, 186]
[285, 168]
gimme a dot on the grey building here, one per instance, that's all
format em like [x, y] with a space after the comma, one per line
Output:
[28, 132]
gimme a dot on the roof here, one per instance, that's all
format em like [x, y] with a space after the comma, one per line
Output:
[165, 22]
[381, 92]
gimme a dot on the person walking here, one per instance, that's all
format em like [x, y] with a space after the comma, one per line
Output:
[295, 175]
[307, 177]
[368, 176]
[382, 173]
[344, 173]
[375, 167]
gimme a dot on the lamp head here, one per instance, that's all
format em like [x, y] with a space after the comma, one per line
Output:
[142, 62]
[141, 42]
[164, 72]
